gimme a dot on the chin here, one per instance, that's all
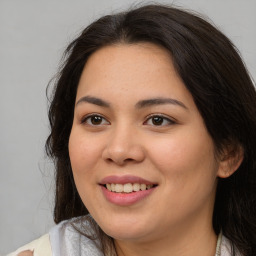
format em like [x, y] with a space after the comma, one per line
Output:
[125, 235]
[125, 231]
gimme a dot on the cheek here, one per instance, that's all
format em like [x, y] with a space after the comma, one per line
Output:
[187, 154]
[83, 152]
[188, 171]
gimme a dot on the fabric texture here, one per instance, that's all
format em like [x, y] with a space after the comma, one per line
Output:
[40, 247]
[226, 248]
[66, 239]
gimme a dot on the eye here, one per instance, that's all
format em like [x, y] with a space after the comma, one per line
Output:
[158, 120]
[95, 120]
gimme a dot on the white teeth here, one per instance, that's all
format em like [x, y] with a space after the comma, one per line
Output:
[118, 188]
[136, 187]
[149, 186]
[143, 186]
[127, 188]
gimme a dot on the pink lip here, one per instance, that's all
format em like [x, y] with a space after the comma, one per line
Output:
[125, 199]
[124, 179]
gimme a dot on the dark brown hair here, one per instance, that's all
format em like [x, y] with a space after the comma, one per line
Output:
[213, 72]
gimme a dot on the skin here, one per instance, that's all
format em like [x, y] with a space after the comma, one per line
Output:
[178, 154]
[26, 253]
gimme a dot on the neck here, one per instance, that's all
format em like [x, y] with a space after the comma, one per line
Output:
[182, 243]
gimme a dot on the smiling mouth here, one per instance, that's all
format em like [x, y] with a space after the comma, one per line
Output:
[128, 187]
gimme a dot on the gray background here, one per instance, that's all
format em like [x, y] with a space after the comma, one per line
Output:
[33, 35]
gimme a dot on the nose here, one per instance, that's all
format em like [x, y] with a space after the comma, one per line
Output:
[123, 146]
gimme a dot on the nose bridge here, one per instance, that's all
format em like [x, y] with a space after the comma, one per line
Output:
[123, 144]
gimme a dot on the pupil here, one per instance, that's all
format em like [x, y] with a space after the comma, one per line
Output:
[96, 120]
[157, 120]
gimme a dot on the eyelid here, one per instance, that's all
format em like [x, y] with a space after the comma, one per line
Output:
[84, 118]
[169, 119]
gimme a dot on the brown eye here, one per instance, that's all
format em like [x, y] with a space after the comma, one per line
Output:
[159, 120]
[95, 120]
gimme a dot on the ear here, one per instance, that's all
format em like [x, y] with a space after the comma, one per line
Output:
[230, 160]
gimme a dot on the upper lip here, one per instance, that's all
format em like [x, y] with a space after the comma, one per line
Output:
[125, 179]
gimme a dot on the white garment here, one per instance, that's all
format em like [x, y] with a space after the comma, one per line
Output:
[40, 247]
[226, 248]
[65, 240]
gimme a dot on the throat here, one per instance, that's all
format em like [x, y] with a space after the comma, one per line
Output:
[174, 247]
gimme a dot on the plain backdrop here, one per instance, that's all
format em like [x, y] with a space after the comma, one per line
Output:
[33, 35]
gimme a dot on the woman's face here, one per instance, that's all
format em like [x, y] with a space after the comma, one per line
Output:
[136, 127]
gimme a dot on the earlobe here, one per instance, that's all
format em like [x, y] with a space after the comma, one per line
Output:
[230, 161]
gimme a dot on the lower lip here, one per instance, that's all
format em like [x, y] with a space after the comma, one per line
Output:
[125, 199]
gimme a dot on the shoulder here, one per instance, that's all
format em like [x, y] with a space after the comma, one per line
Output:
[226, 248]
[38, 247]
[77, 236]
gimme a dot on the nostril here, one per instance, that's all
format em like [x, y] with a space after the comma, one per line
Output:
[109, 160]
[120, 161]
[129, 159]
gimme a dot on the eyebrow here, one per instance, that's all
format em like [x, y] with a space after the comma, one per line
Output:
[140, 104]
[159, 101]
[94, 100]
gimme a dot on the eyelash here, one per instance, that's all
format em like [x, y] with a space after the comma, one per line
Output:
[162, 117]
[84, 119]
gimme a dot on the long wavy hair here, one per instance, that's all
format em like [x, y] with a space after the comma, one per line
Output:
[215, 75]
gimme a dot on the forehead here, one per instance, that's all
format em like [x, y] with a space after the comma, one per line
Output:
[120, 56]
[134, 69]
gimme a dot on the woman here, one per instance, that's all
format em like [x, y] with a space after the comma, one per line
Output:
[153, 122]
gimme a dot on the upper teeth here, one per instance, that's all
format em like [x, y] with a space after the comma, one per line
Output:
[128, 187]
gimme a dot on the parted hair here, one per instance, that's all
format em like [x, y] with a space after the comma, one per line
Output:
[213, 72]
